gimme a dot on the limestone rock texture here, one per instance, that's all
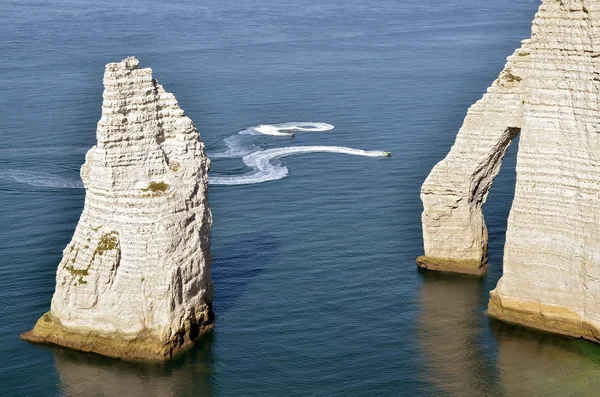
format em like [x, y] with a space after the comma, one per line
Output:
[134, 281]
[549, 93]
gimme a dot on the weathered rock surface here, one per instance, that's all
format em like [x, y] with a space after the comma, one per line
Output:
[134, 281]
[549, 91]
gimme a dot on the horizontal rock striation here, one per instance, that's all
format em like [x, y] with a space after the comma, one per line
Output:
[134, 281]
[549, 91]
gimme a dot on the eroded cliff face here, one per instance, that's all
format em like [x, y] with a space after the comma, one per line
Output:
[549, 91]
[134, 281]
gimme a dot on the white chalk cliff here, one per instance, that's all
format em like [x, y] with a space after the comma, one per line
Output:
[549, 93]
[134, 281]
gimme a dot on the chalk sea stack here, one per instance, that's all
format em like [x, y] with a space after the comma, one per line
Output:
[134, 281]
[549, 93]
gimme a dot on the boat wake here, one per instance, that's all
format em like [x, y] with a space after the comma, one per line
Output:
[261, 161]
[242, 145]
[264, 170]
[284, 129]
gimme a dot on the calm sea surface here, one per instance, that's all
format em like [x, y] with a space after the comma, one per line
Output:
[316, 288]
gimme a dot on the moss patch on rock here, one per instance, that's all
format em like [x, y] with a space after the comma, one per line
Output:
[174, 166]
[510, 77]
[107, 242]
[157, 187]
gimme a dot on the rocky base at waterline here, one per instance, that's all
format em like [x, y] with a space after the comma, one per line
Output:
[464, 266]
[548, 318]
[134, 281]
[144, 346]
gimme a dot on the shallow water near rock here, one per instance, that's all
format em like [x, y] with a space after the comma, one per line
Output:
[316, 287]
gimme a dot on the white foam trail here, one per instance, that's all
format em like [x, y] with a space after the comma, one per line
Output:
[40, 179]
[236, 148]
[264, 170]
[283, 129]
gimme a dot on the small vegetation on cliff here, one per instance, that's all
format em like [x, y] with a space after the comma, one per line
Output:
[510, 77]
[77, 272]
[157, 187]
[174, 166]
[107, 242]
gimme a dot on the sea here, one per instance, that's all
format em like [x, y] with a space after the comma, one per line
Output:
[315, 236]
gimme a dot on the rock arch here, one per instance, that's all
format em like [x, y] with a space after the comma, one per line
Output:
[550, 90]
[454, 231]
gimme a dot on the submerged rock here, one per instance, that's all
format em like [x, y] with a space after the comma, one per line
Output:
[134, 281]
[549, 93]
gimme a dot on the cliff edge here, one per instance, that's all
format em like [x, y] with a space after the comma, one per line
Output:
[549, 93]
[134, 281]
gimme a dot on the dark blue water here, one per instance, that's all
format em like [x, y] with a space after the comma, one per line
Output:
[316, 287]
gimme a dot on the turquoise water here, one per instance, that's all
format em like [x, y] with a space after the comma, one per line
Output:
[316, 287]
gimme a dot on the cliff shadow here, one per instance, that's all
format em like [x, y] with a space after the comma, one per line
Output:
[451, 328]
[91, 375]
[236, 264]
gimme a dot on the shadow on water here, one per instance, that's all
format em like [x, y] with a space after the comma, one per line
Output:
[467, 354]
[189, 374]
[532, 363]
[236, 264]
[192, 372]
[451, 327]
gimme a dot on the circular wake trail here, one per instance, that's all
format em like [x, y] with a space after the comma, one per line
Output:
[263, 169]
[238, 145]
[284, 129]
